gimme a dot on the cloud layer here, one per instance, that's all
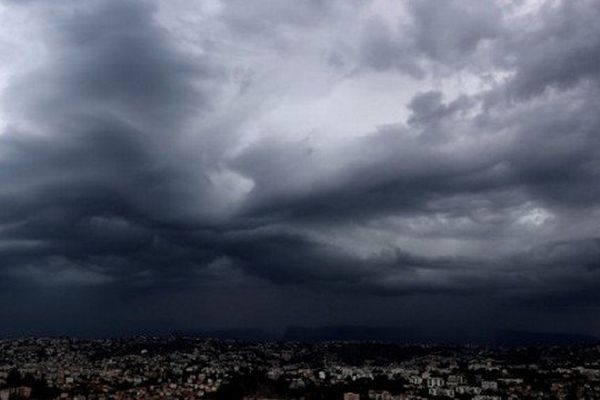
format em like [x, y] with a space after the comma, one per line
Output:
[179, 164]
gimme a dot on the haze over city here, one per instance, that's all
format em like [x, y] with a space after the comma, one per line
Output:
[176, 165]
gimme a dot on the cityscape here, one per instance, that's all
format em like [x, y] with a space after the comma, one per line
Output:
[179, 367]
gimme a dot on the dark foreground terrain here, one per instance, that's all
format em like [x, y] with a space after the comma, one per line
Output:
[189, 368]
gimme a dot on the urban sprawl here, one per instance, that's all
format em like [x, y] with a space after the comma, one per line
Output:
[200, 368]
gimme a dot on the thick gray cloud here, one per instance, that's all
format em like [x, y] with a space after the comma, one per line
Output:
[182, 165]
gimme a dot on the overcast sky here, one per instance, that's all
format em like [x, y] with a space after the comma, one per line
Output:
[179, 164]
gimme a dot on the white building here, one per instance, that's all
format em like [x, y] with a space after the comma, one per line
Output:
[415, 380]
[435, 382]
[489, 385]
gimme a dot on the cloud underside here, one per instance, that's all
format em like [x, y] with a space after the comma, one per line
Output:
[387, 150]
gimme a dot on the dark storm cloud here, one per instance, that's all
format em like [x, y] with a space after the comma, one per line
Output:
[450, 36]
[545, 152]
[561, 52]
[98, 175]
[152, 157]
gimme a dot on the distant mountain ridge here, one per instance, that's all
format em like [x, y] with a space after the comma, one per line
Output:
[524, 338]
[349, 333]
[407, 335]
[389, 334]
[232, 334]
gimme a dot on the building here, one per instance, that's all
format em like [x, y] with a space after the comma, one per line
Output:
[435, 382]
[489, 385]
[379, 395]
[415, 380]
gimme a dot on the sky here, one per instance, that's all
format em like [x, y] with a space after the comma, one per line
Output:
[185, 165]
